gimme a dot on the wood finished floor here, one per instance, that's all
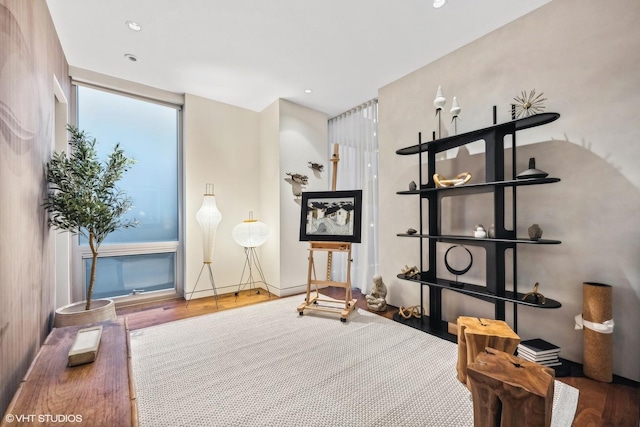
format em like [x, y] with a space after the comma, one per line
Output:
[600, 404]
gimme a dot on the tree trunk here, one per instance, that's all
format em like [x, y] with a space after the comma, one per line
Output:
[94, 261]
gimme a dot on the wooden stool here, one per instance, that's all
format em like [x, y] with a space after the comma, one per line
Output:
[510, 391]
[475, 334]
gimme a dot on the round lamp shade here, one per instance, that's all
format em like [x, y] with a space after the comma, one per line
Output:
[208, 216]
[250, 233]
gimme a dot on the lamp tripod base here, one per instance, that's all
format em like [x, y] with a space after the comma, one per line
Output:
[211, 280]
[251, 264]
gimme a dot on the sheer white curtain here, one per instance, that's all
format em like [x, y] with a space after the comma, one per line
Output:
[356, 133]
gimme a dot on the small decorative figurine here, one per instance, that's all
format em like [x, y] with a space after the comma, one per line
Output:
[413, 186]
[535, 232]
[410, 272]
[528, 104]
[376, 299]
[480, 232]
[455, 112]
[532, 172]
[412, 311]
[300, 179]
[455, 109]
[411, 231]
[460, 179]
[440, 100]
[491, 232]
[316, 166]
[537, 296]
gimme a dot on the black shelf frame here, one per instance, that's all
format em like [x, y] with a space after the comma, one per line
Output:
[454, 141]
[482, 187]
[480, 241]
[482, 292]
[505, 239]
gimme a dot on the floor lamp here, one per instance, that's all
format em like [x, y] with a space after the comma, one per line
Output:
[208, 216]
[250, 234]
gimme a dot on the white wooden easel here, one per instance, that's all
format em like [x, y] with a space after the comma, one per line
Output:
[311, 303]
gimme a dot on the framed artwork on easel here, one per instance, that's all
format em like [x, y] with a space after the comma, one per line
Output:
[333, 216]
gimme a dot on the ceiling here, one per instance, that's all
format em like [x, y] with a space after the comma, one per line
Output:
[249, 53]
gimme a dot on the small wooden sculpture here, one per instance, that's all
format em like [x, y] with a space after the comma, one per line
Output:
[410, 271]
[537, 296]
[460, 179]
[408, 312]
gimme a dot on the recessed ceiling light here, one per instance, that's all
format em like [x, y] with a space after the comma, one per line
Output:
[134, 25]
[131, 57]
[438, 3]
[308, 91]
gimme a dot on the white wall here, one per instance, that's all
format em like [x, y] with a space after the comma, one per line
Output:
[270, 177]
[247, 155]
[303, 139]
[585, 56]
[221, 144]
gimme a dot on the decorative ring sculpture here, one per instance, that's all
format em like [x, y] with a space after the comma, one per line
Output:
[460, 179]
[453, 270]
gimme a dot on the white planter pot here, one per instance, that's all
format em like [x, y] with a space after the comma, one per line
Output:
[75, 314]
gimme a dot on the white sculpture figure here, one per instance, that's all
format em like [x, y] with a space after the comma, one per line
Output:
[376, 299]
[440, 100]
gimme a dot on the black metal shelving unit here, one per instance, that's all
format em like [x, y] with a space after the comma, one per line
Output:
[495, 183]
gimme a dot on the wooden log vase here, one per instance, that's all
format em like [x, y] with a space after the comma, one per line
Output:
[597, 308]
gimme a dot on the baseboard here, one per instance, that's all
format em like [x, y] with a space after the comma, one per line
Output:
[577, 371]
[452, 328]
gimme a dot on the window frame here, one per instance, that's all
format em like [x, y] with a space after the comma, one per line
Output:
[79, 253]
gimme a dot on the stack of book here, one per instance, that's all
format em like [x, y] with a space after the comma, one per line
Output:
[540, 351]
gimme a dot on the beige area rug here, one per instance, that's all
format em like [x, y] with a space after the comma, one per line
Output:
[264, 365]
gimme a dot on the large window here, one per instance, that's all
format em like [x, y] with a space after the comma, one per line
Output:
[142, 259]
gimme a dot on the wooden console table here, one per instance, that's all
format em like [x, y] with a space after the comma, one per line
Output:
[96, 394]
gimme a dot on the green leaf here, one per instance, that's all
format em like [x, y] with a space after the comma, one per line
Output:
[83, 197]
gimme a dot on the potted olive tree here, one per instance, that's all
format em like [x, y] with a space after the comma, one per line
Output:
[83, 199]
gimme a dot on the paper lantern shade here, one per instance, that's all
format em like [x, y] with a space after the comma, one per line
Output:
[250, 233]
[208, 216]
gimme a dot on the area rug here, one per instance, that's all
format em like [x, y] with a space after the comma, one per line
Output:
[264, 365]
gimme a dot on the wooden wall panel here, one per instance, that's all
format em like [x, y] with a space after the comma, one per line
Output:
[30, 57]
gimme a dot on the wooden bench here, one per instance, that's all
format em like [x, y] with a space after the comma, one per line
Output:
[98, 394]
